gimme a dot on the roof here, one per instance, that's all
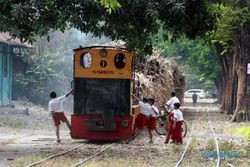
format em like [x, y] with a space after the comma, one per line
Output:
[7, 39]
[100, 47]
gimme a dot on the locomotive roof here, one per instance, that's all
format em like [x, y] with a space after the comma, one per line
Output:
[101, 47]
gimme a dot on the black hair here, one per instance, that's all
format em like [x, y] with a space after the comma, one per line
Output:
[173, 94]
[177, 105]
[151, 99]
[53, 94]
[145, 99]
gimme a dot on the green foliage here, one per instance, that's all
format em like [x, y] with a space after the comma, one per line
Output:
[231, 17]
[44, 74]
[131, 21]
[197, 58]
[110, 4]
[49, 65]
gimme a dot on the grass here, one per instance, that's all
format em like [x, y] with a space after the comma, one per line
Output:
[226, 145]
[176, 148]
[247, 148]
[20, 162]
[62, 162]
[241, 131]
[14, 123]
[210, 145]
[113, 163]
[97, 162]
[144, 159]
[26, 160]
[192, 144]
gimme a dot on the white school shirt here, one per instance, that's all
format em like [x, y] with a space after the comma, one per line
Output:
[145, 108]
[171, 102]
[153, 110]
[178, 115]
[56, 104]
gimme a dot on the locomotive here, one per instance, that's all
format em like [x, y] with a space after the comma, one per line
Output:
[103, 86]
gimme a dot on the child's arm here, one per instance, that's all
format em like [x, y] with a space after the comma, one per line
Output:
[69, 93]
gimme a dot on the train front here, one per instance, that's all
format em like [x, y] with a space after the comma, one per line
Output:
[102, 91]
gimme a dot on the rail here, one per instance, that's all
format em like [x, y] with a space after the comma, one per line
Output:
[92, 156]
[215, 139]
[190, 138]
[55, 155]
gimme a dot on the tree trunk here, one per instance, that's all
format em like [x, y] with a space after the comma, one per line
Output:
[218, 81]
[228, 82]
[242, 57]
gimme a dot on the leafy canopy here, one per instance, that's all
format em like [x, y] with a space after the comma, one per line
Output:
[232, 15]
[196, 57]
[133, 21]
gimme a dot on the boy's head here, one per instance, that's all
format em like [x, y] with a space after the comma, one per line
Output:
[145, 99]
[177, 105]
[151, 100]
[53, 95]
[173, 94]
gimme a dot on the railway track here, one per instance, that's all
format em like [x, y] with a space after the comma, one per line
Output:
[92, 156]
[180, 160]
[215, 139]
[101, 150]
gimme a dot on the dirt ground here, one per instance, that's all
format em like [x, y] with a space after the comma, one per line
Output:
[29, 137]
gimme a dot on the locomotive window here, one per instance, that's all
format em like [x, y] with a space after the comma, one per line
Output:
[120, 60]
[102, 96]
[85, 60]
[99, 96]
[103, 53]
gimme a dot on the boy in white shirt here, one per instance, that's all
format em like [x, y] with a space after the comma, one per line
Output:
[170, 103]
[178, 121]
[170, 107]
[151, 122]
[143, 119]
[57, 111]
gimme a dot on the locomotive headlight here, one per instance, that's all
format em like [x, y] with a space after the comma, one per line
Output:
[103, 53]
[85, 60]
[120, 60]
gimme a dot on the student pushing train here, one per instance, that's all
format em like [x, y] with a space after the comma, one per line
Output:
[103, 87]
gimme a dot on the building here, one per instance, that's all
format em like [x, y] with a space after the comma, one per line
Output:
[10, 63]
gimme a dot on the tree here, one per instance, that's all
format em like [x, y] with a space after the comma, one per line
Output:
[131, 21]
[49, 65]
[231, 39]
[196, 57]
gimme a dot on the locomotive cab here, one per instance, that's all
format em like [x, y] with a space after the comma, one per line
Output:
[102, 94]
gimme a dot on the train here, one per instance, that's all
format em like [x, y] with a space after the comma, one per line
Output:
[103, 85]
